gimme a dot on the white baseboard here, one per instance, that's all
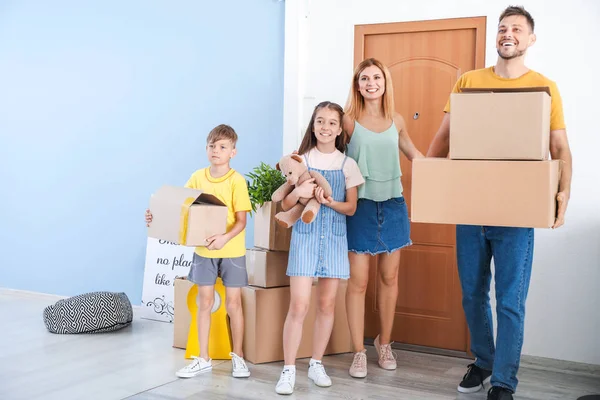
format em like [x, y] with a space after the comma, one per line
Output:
[31, 294]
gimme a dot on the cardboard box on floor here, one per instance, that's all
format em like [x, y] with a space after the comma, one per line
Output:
[186, 216]
[264, 315]
[267, 268]
[181, 314]
[491, 193]
[265, 311]
[267, 233]
[500, 124]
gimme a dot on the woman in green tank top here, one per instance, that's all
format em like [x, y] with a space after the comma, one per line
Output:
[380, 224]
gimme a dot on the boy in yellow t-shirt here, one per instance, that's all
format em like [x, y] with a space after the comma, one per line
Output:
[224, 254]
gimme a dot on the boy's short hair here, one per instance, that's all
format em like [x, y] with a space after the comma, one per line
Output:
[221, 132]
[518, 10]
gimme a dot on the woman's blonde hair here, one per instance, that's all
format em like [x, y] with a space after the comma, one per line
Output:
[356, 103]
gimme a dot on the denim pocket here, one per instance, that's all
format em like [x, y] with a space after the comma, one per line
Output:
[339, 224]
[398, 200]
[302, 227]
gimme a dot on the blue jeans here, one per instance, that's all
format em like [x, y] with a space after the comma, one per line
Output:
[512, 250]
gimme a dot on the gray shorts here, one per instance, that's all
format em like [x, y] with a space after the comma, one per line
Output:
[204, 271]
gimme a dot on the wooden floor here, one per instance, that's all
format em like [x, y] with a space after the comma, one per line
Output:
[139, 363]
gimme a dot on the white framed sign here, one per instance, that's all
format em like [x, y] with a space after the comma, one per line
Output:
[165, 261]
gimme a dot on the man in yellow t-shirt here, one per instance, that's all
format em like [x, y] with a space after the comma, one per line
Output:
[511, 248]
[224, 254]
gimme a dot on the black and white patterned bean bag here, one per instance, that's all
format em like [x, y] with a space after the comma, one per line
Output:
[94, 312]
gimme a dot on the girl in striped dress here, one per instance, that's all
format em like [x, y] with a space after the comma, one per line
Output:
[319, 249]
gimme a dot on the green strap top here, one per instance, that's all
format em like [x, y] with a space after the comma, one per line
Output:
[378, 157]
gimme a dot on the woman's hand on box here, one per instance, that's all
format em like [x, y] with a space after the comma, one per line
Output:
[148, 218]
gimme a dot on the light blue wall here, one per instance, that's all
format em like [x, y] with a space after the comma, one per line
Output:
[100, 104]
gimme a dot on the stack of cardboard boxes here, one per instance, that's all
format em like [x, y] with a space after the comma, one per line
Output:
[498, 173]
[266, 300]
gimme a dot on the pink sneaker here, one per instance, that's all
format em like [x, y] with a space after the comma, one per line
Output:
[387, 358]
[358, 369]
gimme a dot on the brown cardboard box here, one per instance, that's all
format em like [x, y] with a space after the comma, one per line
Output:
[492, 193]
[500, 124]
[186, 216]
[267, 268]
[267, 233]
[181, 314]
[264, 315]
[265, 311]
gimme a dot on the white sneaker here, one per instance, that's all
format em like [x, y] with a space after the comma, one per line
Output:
[316, 373]
[286, 383]
[196, 367]
[239, 367]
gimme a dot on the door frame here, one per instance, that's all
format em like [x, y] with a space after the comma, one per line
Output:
[476, 23]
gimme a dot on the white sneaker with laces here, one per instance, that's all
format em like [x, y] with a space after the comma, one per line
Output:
[196, 367]
[316, 373]
[286, 383]
[239, 367]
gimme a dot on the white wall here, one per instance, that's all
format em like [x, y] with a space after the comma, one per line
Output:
[563, 317]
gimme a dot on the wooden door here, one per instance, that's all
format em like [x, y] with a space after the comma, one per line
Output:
[425, 60]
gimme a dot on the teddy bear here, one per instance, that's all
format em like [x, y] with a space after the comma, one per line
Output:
[296, 173]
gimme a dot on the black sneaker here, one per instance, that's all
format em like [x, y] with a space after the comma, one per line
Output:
[474, 379]
[499, 393]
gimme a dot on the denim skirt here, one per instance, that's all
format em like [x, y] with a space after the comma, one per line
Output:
[379, 226]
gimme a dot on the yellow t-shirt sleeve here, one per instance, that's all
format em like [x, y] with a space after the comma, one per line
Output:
[193, 182]
[459, 83]
[240, 196]
[557, 118]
